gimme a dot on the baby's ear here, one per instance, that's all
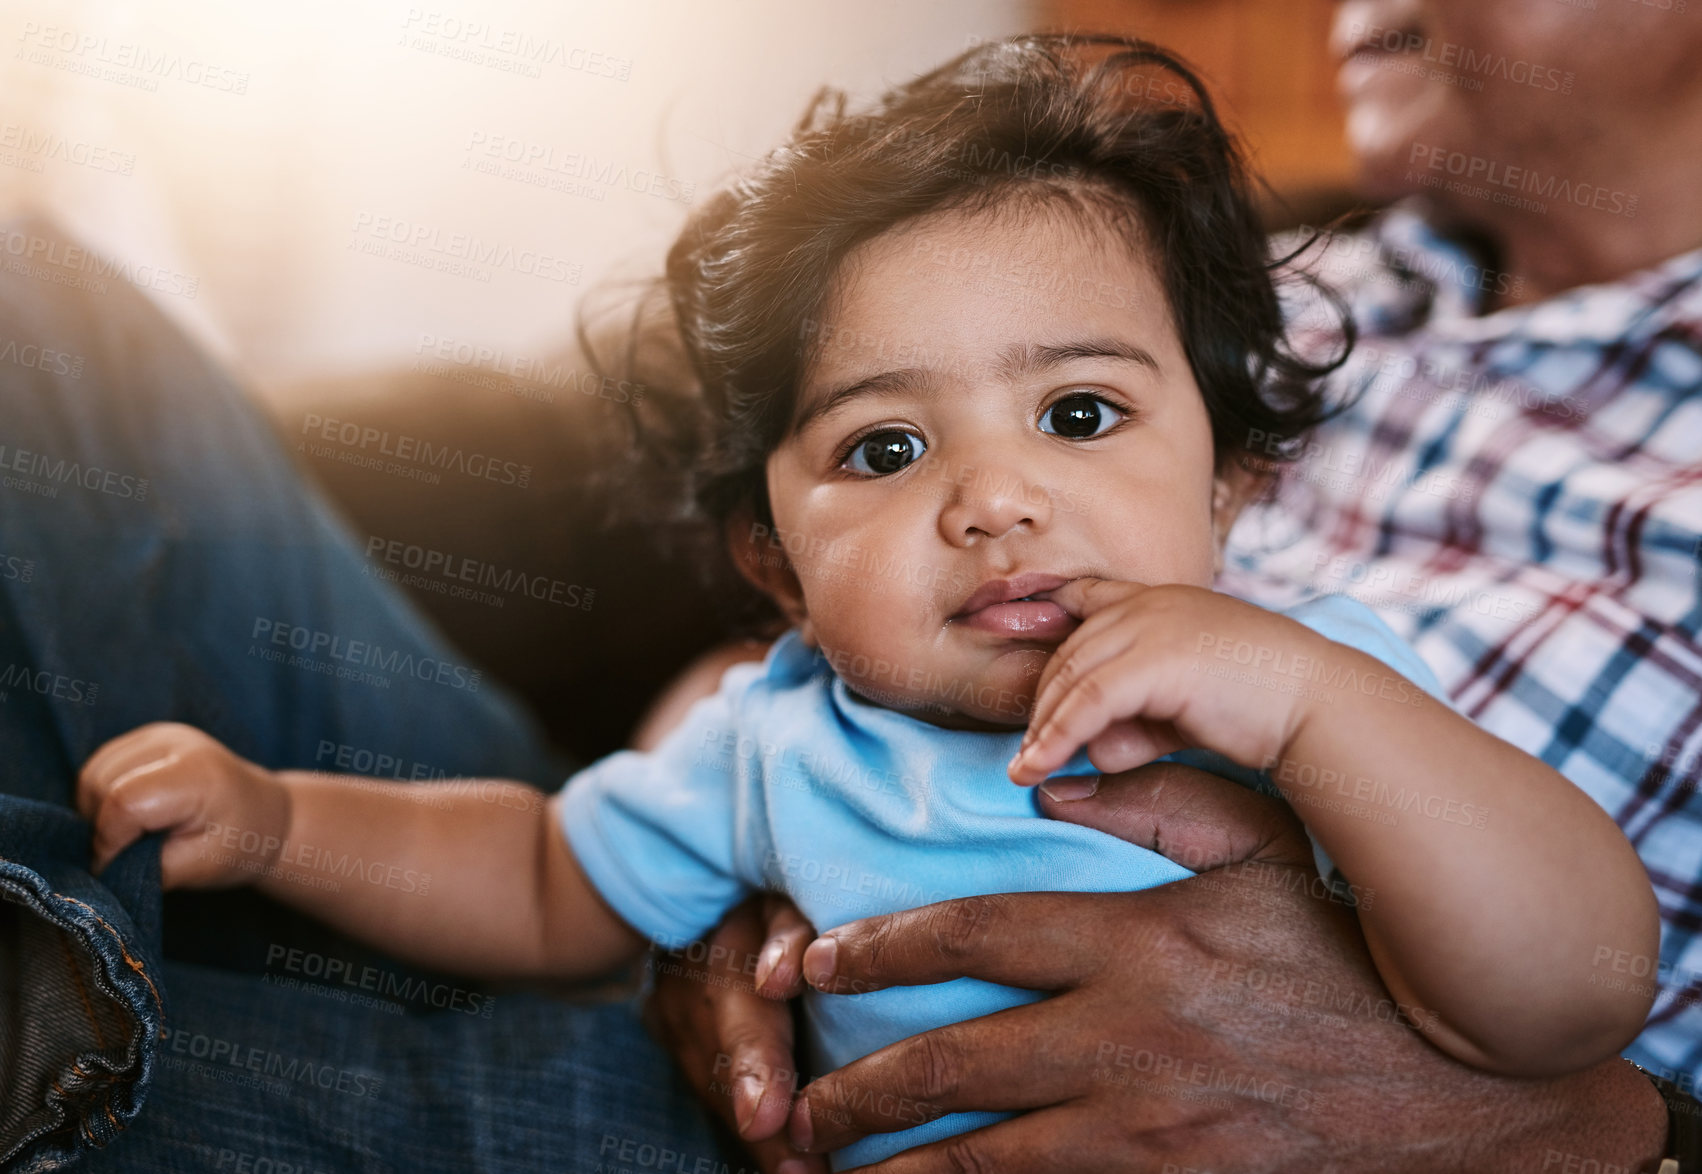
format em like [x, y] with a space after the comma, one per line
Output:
[761, 558]
[1237, 482]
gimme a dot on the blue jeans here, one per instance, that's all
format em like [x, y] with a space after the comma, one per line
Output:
[161, 559]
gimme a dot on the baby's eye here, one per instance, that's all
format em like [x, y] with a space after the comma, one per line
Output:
[1079, 417]
[880, 453]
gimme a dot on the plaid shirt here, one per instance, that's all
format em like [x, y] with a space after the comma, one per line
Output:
[1519, 494]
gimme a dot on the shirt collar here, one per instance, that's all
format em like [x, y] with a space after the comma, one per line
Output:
[1433, 282]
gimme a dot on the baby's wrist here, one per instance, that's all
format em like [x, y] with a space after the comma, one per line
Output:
[281, 798]
[1312, 659]
[270, 812]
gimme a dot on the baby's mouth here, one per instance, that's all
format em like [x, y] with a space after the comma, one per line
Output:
[1021, 607]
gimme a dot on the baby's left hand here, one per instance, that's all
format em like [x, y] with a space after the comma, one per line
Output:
[1133, 682]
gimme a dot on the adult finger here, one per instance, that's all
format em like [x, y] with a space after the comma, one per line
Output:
[780, 965]
[1041, 941]
[1198, 819]
[732, 1045]
[735, 1047]
[756, 1061]
[773, 1154]
[753, 1038]
[1009, 1060]
[1064, 1138]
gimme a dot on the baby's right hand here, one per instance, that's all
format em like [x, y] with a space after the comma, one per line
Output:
[227, 817]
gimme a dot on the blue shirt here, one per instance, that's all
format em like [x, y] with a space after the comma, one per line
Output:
[786, 780]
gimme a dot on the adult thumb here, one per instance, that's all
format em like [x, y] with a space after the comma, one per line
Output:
[1197, 819]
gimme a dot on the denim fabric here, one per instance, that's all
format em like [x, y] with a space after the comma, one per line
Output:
[154, 538]
[80, 979]
[297, 1083]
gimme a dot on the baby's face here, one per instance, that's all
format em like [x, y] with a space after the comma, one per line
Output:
[1000, 404]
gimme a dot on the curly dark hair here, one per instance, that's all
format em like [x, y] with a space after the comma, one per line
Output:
[1108, 120]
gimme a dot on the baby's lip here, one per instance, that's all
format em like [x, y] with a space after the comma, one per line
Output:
[1005, 590]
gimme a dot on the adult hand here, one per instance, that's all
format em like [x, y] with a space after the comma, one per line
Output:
[1230, 1021]
[721, 1008]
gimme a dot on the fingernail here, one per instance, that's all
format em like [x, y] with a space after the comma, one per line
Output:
[793, 1166]
[1068, 787]
[1016, 763]
[819, 962]
[802, 1130]
[769, 959]
[747, 1100]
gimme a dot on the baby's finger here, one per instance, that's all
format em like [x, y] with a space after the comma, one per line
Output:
[1112, 692]
[141, 800]
[1086, 650]
[1127, 744]
[113, 759]
[1101, 636]
[118, 757]
[1087, 595]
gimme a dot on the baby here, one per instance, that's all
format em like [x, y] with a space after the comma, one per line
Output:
[978, 372]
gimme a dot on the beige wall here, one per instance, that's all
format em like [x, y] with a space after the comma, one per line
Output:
[245, 156]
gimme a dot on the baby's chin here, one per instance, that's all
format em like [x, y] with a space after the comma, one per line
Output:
[974, 693]
[965, 705]
[1006, 712]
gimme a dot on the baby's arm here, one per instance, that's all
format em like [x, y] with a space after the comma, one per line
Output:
[1495, 887]
[1496, 892]
[505, 897]
[469, 876]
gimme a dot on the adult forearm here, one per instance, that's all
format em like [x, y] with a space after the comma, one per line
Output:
[442, 874]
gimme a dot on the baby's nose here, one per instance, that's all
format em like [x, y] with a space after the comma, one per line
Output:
[989, 503]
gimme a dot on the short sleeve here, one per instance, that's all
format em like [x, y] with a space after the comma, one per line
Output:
[656, 832]
[1347, 621]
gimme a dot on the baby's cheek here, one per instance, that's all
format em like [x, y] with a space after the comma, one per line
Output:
[839, 604]
[1162, 556]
